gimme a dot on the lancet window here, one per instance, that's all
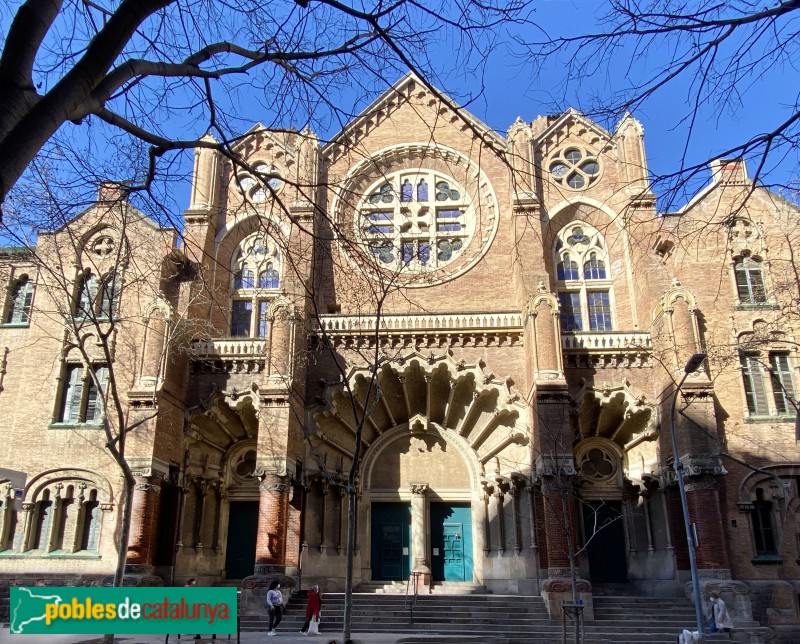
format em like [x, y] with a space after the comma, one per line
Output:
[256, 273]
[583, 279]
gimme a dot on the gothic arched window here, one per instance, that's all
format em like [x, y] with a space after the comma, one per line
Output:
[19, 310]
[87, 293]
[584, 297]
[109, 296]
[750, 280]
[257, 255]
[766, 544]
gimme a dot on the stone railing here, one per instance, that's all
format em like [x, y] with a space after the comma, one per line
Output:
[229, 348]
[606, 341]
[423, 330]
[467, 322]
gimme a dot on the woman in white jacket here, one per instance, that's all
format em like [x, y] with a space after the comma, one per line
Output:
[722, 617]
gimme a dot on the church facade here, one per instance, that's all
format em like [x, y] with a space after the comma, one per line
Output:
[492, 326]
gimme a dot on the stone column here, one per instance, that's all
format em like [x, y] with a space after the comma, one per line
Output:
[273, 516]
[419, 533]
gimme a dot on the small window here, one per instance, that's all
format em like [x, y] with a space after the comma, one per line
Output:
[241, 313]
[594, 269]
[43, 517]
[578, 168]
[262, 319]
[599, 311]
[763, 527]
[405, 191]
[754, 387]
[87, 293]
[19, 311]
[81, 398]
[571, 318]
[750, 281]
[88, 524]
[244, 278]
[782, 386]
[268, 278]
[567, 269]
[109, 296]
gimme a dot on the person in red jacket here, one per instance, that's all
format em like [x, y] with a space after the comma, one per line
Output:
[311, 627]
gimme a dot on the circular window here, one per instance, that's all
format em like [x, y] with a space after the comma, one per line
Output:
[415, 221]
[575, 168]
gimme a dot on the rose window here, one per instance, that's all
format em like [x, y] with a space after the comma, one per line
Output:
[416, 221]
[575, 168]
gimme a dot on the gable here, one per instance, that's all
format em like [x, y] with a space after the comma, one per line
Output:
[412, 93]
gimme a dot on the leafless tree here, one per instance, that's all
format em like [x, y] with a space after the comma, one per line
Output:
[703, 56]
[166, 72]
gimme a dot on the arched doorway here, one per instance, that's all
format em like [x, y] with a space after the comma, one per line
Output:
[615, 450]
[439, 432]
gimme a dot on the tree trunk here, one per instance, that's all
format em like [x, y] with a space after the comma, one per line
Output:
[348, 579]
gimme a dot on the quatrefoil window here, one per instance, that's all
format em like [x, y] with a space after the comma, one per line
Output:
[575, 168]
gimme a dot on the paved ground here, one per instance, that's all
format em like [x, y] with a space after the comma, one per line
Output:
[246, 638]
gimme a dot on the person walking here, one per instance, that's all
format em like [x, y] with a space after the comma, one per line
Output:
[719, 611]
[311, 626]
[274, 606]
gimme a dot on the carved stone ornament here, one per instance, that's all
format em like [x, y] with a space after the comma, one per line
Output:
[419, 488]
[147, 487]
[274, 487]
[699, 464]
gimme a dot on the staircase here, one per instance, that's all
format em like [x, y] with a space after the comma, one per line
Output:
[497, 619]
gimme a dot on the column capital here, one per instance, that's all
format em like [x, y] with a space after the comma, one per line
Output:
[419, 488]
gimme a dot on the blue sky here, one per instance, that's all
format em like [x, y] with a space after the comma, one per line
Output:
[513, 87]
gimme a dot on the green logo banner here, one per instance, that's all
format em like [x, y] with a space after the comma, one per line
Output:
[135, 611]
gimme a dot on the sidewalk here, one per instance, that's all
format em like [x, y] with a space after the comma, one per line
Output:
[246, 638]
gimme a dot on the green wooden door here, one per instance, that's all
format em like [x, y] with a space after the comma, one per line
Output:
[451, 542]
[391, 541]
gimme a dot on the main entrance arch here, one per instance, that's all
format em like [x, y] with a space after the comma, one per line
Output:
[438, 432]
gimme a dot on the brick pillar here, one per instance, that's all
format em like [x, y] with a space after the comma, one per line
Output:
[273, 521]
[683, 329]
[559, 521]
[144, 521]
[547, 347]
[703, 500]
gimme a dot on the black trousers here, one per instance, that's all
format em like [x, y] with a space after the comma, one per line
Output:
[275, 617]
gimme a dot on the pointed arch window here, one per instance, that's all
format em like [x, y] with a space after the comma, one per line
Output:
[567, 269]
[82, 397]
[19, 310]
[585, 296]
[109, 296]
[268, 278]
[259, 256]
[750, 280]
[87, 293]
[594, 268]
